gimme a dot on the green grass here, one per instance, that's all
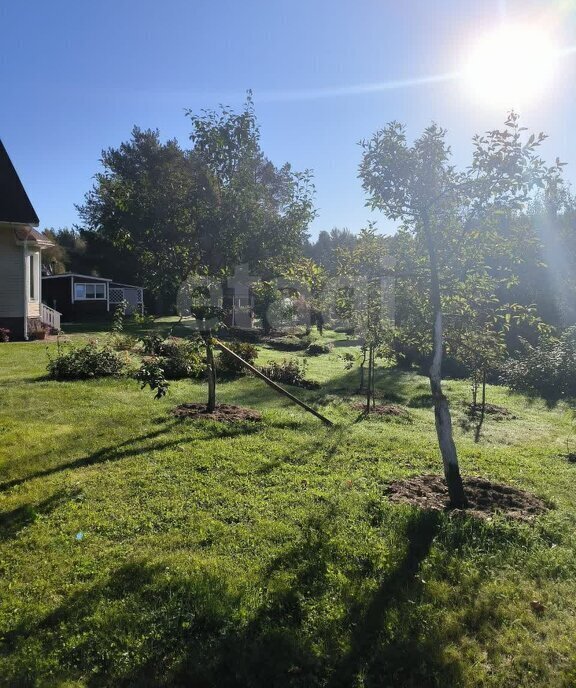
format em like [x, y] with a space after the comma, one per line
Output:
[138, 550]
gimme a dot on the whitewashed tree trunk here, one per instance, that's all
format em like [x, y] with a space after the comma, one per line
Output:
[441, 409]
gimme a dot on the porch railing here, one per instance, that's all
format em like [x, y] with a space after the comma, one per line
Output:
[49, 316]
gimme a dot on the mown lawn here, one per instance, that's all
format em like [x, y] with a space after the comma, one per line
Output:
[138, 550]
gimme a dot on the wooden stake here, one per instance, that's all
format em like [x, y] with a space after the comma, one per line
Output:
[273, 384]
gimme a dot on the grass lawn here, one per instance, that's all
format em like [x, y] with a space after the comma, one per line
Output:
[139, 550]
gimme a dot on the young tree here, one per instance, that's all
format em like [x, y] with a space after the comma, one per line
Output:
[367, 268]
[453, 216]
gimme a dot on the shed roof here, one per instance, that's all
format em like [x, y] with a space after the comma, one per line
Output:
[76, 274]
[15, 205]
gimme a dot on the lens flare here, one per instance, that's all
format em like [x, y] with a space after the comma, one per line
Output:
[511, 66]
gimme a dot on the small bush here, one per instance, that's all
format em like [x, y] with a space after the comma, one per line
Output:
[547, 370]
[85, 362]
[180, 358]
[151, 343]
[315, 349]
[290, 372]
[5, 334]
[290, 343]
[228, 365]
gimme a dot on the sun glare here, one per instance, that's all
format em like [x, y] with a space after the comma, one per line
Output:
[511, 66]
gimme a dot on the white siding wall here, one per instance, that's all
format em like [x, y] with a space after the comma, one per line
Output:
[11, 275]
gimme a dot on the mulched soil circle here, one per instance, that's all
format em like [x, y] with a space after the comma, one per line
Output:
[485, 498]
[499, 412]
[224, 413]
[384, 410]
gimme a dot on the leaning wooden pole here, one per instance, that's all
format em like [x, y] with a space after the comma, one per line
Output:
[273, 384]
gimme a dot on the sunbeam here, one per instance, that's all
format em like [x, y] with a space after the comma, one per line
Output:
[354, 89]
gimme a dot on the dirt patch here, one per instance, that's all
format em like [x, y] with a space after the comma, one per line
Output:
[496, 412]
[485, 498]
[390, 410]
[224, 413]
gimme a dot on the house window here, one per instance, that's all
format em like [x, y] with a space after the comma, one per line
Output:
[31, 278]
[89, 292]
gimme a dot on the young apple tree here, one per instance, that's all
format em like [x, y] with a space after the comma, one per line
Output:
[458, 219]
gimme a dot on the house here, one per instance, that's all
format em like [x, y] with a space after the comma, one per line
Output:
[86, 297]
[21, 308]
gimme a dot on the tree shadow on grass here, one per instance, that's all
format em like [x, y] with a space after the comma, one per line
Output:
[150, 625]
[12, 522]
[134, 446]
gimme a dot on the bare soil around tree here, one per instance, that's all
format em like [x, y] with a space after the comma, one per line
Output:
[223, 413]
[485, 498]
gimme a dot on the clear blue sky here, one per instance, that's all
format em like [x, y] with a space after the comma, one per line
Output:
[75, 76]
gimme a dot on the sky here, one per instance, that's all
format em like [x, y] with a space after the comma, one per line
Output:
[76, 76]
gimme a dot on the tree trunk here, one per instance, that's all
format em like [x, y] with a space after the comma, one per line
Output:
[373, 378]
[482, 409]
[441, 409]
[474, 391]
[369, 385]
[211, 405]
[362, 364]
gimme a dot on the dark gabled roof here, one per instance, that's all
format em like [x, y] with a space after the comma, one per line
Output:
[15, 205]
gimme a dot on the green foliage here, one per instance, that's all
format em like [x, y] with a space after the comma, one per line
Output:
[152, 374]
[118, 317]
[547, 369]
[152, 342]
[143, 319]
[85, 362]
[290, 372]
[181, 358]
[254, 211]
[228, 365]
[316, 349]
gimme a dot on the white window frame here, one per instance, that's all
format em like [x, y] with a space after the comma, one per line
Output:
[93, 285]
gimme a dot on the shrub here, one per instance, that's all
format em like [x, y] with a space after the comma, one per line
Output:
[228, 365]
[151, 343]
[547, 370]
[85, 362]
[315, 349]
[180, 358]
[290, 372]
[5, 334]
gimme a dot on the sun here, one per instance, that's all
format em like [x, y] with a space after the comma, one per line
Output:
[511, 66]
